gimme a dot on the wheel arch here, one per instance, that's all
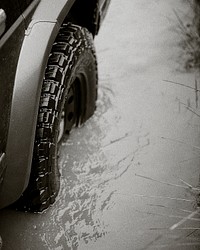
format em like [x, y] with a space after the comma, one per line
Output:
[89, 17]
[39, 37]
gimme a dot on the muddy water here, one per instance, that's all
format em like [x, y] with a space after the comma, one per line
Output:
[130, 175]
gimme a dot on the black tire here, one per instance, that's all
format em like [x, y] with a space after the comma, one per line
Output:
[70, 85]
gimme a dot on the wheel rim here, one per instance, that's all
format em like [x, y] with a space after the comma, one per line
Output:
[73, 109]
[68, 116]
[61, 126]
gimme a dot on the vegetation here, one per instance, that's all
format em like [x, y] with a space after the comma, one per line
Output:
[197, 15]
[191, 32]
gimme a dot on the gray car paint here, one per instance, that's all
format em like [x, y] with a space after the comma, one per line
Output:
[39, 38]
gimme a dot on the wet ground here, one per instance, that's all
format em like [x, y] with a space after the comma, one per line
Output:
[130, 175]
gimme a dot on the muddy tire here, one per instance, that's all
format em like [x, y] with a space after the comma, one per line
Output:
[68, 97]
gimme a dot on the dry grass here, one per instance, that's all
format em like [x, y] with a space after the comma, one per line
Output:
[191, 33]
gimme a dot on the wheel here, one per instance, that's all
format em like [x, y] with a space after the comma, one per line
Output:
[68, 97]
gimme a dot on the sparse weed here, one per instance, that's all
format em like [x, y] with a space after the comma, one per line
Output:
[191, 33]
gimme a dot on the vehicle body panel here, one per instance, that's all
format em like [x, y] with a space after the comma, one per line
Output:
[103, 7]
[42, 28]
[10, 45]
[39, 38]
[12, 11]
[23, 4]
[2, 21]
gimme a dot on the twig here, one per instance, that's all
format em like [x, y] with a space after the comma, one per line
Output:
[191, 233]
[125, 158]
[189, 217]
[180, 228]
[162, 182]
[118, 139]
[181, 84]
[190, 159]
[186, 244]
[196, 93]
[156, 197]
[190, 186]
[183, 219]
[179, 141]
[173, 208]
[182, 26]
[190, 109]
[152, 242]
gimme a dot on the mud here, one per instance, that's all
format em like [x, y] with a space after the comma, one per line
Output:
[130, 175]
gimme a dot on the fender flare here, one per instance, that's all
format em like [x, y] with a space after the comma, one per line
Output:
[34, 54]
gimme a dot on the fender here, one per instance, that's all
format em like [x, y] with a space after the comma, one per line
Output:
[103, 8]
[39, 37]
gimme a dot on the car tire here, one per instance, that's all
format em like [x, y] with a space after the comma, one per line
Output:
[68, 97]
